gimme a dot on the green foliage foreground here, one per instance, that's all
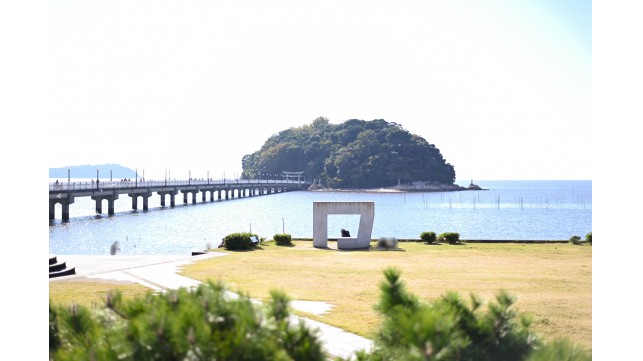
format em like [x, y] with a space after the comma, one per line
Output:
[209, 324]
[451, 329]
[204, 324]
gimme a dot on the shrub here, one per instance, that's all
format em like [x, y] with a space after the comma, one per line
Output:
[282, 239]
[450, 328]
[574, 239]
[428, 237]
[449, 237]
[588, 238]
[238, 241]
[183, 324]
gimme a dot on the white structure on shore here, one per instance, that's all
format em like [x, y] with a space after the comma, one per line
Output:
[321, 210]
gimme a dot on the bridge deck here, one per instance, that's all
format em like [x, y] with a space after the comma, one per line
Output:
[65, 192]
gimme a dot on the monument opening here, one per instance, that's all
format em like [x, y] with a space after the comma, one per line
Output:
[337, 222]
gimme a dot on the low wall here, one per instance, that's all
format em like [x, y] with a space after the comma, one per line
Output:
[462, 240]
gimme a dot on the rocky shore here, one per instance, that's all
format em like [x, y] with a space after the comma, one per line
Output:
[409, 187]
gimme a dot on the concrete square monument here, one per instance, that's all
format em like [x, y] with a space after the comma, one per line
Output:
[321, 210]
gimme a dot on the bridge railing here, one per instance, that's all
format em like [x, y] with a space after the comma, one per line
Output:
[106, 185]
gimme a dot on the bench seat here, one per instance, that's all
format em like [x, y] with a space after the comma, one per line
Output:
[352, 243]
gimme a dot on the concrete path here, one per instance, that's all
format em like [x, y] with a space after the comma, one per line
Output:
[160, 273]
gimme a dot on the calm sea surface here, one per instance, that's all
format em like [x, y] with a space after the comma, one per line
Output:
[509, 210]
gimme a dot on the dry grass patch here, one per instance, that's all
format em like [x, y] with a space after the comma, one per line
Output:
[553, 282]
[89, 293]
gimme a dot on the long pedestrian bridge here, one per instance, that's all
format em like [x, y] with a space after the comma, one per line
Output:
[64, 193]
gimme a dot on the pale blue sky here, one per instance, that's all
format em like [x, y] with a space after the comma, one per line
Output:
[502, 88]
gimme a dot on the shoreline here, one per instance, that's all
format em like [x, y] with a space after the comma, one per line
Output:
[417, 187]
[357, 190]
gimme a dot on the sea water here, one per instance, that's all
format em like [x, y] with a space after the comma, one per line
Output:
[507, 210]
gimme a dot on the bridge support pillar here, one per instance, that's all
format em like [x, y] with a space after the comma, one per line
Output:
[226, 194]
[52, 210]
[185, 195]
[110, 206]
[64, 202]
[135, 195]
[171, 193]
[65, 212]
[110, 202]
[219, 194]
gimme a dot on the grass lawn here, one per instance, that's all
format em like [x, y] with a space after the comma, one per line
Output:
[90, 293]
[552, 282]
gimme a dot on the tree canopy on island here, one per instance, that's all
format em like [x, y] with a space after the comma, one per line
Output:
[353, 154]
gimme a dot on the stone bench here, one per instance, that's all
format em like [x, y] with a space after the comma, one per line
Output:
[352, 243]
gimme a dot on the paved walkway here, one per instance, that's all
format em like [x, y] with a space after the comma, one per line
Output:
[160, 273]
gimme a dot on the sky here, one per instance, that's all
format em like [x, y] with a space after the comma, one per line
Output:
[502, 88]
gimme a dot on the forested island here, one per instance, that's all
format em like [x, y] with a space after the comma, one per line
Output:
[355, 154]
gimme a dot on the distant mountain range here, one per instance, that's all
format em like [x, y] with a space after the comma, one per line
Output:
[89, 171]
